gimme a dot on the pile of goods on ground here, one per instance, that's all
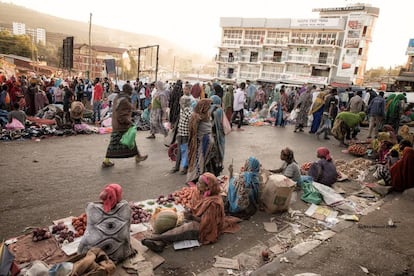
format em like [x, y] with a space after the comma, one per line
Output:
[354, 169]
[357, 150]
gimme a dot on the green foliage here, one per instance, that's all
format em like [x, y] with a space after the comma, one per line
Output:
[20, 45]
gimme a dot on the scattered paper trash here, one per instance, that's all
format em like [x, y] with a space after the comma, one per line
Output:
[276, 249]
[284, 260]
[304, 247]
[226, 263]
[270, 227]
[307, 274]
[186, 244]
[320, 212]
[349, 217]
[364, 269]
[324, 235]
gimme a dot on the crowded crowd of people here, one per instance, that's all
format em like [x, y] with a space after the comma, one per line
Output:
[196, 115]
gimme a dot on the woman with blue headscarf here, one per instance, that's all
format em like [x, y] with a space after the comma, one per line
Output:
[243, 191]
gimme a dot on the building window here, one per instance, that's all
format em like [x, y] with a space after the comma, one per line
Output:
[279, 38]
[253, 37]
[360, 51]
[231, 57]
[277, 56]
[364, 31]
[232, 37]
[323, 58]
[254, 56]
[356, 71]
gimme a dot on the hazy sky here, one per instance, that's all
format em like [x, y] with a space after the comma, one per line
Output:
[195, 23]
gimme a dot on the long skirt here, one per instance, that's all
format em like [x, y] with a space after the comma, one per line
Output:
[317, 116]
[156, 125]
[203, 147]
[118, 150]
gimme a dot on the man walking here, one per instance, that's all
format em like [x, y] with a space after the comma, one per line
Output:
[376, 112]
[238, 105]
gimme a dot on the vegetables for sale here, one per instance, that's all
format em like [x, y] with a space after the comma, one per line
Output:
[139, 215]
[40, 234]
[64, 235]
[79, 223]
[357, 150]
[185, 196]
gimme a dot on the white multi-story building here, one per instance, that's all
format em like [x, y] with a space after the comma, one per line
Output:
[38, 35]
[330, 49]
[19, 28]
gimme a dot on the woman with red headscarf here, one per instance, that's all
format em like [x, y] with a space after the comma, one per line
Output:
[402, 176]
[206, 220]
[324, 170]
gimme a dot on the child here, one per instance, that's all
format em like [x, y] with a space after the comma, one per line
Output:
[325, 126]
[392, 158]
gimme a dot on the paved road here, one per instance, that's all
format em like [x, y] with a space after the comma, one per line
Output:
[56, 177]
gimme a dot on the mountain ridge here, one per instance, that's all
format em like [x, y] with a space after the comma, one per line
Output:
[103, 36]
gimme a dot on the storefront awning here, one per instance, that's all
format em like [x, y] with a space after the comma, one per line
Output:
[404, 78]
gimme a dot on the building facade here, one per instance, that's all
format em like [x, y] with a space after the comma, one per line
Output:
[91, 64]
[405, 80]
[330, 49]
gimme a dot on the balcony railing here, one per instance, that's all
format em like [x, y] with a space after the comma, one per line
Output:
[312, 60]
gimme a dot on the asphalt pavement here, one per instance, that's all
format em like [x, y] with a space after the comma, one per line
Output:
[56, 177]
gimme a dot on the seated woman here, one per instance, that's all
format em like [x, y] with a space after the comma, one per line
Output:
[384, 171]
[206, 221]
[402, 176]
[290, 167]
[243, 191]
[324, 170]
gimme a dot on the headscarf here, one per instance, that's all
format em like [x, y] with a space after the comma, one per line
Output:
[404, 132]
[216, 100]
[393, 105]
[200, 113]
[111, 195]
[361, 115]
[76, 110]
[324, 152]
[212, 183]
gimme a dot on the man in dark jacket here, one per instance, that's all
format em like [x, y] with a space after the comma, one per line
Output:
[376, 113]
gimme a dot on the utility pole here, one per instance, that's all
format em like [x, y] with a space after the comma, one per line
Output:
[90, 47]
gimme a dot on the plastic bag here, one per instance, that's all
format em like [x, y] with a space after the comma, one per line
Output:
[310, 193]
[294, 114]
[128, 138]
[330, 196]
[226, 125]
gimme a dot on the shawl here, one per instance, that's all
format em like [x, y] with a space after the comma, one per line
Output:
[319, 102]
[217, 116]
[200, 113]
[244, 190]
[213, 220]
[228, 98]
[174, 102]
[402, 176]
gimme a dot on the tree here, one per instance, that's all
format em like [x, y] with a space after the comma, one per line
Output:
[20, 45]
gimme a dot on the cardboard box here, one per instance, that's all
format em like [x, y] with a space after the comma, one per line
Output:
[277, 193]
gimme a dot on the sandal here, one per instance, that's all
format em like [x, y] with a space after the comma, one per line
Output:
[156, 246]
[140, 158]
[107, 164]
